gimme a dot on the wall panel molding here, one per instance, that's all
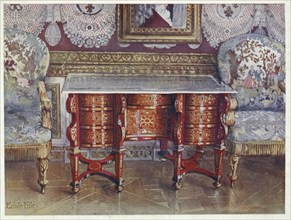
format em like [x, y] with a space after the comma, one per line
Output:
[54, 89]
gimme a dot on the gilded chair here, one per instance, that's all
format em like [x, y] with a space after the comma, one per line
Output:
[254, 65]
[27, 107]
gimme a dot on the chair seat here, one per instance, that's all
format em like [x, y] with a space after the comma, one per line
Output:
[258, 126]
[24, 127]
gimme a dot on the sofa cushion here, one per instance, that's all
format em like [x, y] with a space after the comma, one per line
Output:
[258, 126]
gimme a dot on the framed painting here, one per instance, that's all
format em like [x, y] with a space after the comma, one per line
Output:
[159, 23]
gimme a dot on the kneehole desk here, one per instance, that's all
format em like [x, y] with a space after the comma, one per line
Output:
[107, 110]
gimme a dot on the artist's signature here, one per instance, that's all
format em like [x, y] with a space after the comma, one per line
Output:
[29, 204]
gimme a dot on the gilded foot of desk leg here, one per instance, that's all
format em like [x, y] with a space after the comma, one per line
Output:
[163, 155]
[217, 183]
[75, 187]
[177, 185]
[119, 188]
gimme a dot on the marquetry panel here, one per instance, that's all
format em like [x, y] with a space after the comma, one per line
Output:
[147, 122]
[96, 120]
[148, 115]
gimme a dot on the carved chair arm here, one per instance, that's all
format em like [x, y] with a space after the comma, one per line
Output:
[282, 87]
[46, 105]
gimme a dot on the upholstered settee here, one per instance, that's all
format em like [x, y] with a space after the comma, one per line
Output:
[254, 65]
[27, 107]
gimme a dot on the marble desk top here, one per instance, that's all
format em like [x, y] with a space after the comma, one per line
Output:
[113, 84]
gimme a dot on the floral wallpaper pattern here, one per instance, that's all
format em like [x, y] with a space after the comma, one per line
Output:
[89, 25]
[25, 17]
[223, 21]
[92, 25]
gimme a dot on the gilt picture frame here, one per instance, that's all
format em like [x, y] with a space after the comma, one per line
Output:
[130, 32]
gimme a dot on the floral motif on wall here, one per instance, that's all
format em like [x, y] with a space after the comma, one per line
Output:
[89, 25]
[223, 21]
[276, 22]
[26, 17]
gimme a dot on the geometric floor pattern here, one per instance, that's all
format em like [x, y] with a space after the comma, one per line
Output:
[260, 189]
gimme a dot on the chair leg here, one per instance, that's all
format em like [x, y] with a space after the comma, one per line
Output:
[233, 163]
[42, 166]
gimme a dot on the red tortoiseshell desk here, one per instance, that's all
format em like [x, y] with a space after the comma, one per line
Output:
[108, 110]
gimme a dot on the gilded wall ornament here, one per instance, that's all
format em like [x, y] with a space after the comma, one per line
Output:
[180, 23]
[131, 63]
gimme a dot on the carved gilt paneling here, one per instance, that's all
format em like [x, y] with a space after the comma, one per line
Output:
[130, 63]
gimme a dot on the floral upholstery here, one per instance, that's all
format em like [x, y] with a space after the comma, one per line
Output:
[27, 107]
[254, 66]
[258, 125]
[25, 64]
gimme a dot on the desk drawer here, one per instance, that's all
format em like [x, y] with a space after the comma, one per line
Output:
[201, 115]
[92, 136]
[147, 122]
[202, 100]
[95, 100]
[201, 118]
[200, 135]
[94, 116]
[148, 99]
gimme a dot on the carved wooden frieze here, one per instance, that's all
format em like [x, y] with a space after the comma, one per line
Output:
[130, 63]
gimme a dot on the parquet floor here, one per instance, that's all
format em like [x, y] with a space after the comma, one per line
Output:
[260, 189]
